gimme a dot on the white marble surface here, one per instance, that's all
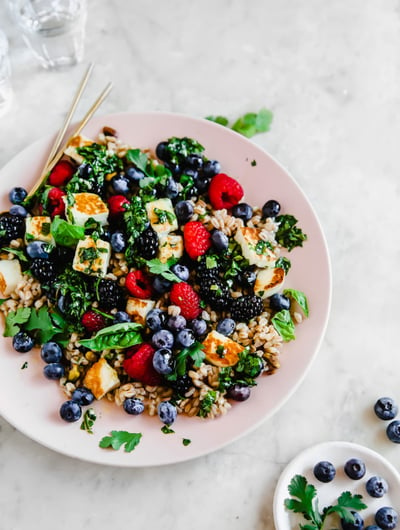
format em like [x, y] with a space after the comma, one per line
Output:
[330, 72]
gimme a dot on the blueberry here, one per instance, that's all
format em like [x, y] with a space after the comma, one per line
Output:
[242, 211]
[118, 241]
[354, 468]
[239, 392]
[70, 411]
[133, 174]
[199, 327]
[83, 396]
[376, 487]
[324, 471]
[211, 168]
[184, 211]
[176, 323]
[171, 188]
[37, 249]
[54, 371]
[167, 412]
[155, 319]
[357, 524]
[202, 182]
[51, 352]
[219, 240]
[181, 271]
[17, 195]
[226, 326]
[386, 518]
[85, 170]
[22, 342]
[372, 527]
[162, 151]
[271, 209]
[174, 168]
[17, 209]
[278, 301]
[385, 408]
[247, 277]
[133, 406]
[120, 184]
[121, 317]
[194, 161]
[185, 338]
[393, 431]
[163, 361]
[162, 339]
[161, 285]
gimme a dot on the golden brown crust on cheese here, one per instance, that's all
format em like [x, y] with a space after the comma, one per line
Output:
[101, 378]
[89, 203]
[229, 356]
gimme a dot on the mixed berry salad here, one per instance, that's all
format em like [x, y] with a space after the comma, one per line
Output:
[145, 278]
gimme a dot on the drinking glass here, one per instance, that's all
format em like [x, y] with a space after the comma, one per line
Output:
[54, 30]
[6, 93]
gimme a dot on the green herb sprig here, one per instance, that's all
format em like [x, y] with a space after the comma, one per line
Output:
[305, 501]
[117, 336]
[117, 439]
[249, 124]
[288, 234]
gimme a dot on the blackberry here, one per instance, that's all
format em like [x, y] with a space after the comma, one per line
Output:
[181, 385]
[205, 273]
[246, 307]
[216, 292]
[147, 244]
[43, 270]
[109, 294]
[11, 227]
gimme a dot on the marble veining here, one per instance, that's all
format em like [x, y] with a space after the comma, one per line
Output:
[330, 72]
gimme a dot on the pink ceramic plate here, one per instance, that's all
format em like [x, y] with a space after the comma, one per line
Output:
[30, 402]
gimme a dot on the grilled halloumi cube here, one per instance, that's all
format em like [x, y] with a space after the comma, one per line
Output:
[221, 350]
[162, 216]
[10, 276]
[38, 229]
[269, 282]
[257, 251]
[101, 378]
[86, 206]
[92, 256]
[77, 141]
[170, 246]
[137, 309]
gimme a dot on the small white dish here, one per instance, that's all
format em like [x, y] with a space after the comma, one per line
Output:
[338, 453]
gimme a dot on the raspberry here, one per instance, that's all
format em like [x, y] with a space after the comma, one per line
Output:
[61, 173]
[183, 295]
[224, 192]
[197, 239]
[138, 364]
[138, 284]
[92, 321]
[116, 204]
[56, 203]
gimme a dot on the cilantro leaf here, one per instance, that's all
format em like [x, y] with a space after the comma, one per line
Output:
[158, 267]
[20, 254]
[40, 320]
[253, 123]
[299, 297]
[14, 319]
[305, 501]
[140, 160]
[221, 120]
[88, 421]
[186, 441]
[195, 351]
[284, 325]
[117, 439]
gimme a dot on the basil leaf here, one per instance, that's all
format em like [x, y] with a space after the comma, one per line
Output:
[66, 234]
[117, 336]
[283, 323]
[299, 297]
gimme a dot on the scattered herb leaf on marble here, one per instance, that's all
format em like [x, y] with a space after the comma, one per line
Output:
[249, 124]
